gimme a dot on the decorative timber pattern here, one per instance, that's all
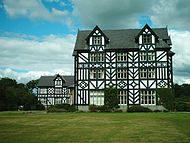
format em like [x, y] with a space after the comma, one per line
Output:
[135, 61]
[56, 90]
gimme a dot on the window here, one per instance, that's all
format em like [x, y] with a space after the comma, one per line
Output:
[151, 56]
[147, 39]
[92, 57]
[143, 73]
[92, 74]
[100, 57]
[58, 91]
[58, 101]
[58, 81]
[150, 73]
[121, 73]
[148, 97]
[121, 57]
[122, 97]
[100, 74]
[96, 57]
[97, 97]
[97, 40]
[42, 90]
[143, 56]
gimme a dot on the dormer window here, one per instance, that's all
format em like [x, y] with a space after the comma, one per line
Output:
[147, 39]
[58, 82]
[97, 40]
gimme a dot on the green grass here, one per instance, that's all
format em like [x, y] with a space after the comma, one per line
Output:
[40, 127]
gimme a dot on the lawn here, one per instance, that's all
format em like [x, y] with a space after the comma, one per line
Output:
[40, 127]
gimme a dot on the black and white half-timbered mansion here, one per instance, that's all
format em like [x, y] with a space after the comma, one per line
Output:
[134, 61]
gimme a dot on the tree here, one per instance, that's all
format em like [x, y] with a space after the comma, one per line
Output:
[32, 85]
[13, 95]
[110, 98]
[166, 97]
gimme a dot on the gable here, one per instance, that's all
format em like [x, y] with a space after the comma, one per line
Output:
[120, 39]
[48, 81]
[146, 31]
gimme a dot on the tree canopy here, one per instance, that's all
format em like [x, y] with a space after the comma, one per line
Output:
[13, 95]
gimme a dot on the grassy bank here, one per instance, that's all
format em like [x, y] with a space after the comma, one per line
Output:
[32, 127]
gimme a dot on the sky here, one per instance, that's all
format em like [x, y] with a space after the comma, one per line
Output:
[37, 37]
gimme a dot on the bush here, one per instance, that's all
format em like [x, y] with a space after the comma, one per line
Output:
[180, 106]
[138, 108]
[62, 108]
[187, 106]
[93, 108]
[103, 108]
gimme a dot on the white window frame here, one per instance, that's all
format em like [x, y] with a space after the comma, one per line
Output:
[96, 57]
[143, 56]
[143, 73]
[151, 56]
[148, 97]
[122, 73]
[58, 82]
[58, 90]
[58, 100]
[93, 74]
[100, 74]
[97, 40]
[121, 57]
[100, 57]
[42, 90]
[97, 98]
[151, 73]
[92, 57]
[122, 97]
[147, 38]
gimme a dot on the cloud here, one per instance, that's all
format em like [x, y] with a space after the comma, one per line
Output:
[112, 13]
[181, 59]
[24, 77]
[49, 53]
[36, 10]
[174, 13]
[127, 13]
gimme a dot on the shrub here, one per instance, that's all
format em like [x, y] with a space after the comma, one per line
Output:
[93, 108]
[62, 108]
[180, 106]
[138, 108]
[103, 108]
[111, 99]
[187, 106]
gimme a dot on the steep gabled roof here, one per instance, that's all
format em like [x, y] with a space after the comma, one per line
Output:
[143, 29]
[93, 31]
[48, 81]
[120, 39]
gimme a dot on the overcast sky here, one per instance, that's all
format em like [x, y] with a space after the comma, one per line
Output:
[37, 37]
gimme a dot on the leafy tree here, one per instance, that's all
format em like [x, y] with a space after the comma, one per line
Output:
[110, 98]
[166, 98]
[13, 95]
[32, 85]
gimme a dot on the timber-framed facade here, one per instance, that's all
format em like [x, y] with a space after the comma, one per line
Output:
[135, 61]
[55, 89]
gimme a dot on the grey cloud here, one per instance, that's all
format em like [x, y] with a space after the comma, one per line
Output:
[112, 13]
[174, 13]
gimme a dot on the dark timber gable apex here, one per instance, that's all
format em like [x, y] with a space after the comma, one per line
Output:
[93, 31]
[143, 29]
[122, 38]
